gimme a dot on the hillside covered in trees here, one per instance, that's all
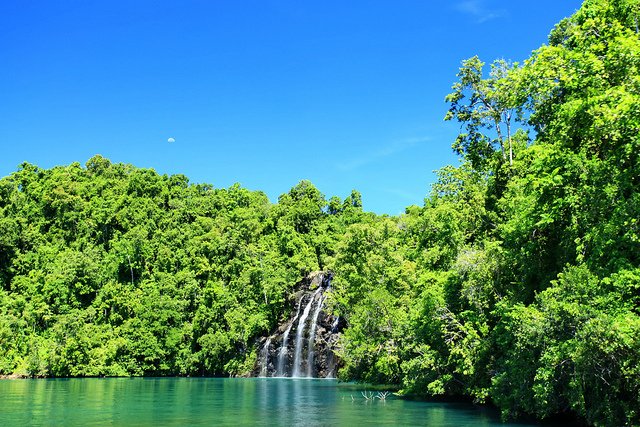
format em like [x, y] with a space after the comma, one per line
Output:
[516, 283]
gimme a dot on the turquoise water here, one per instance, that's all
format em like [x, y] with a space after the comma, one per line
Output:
[217, 401]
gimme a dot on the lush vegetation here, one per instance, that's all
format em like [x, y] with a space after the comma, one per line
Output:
[519, 279]
[114, 270]
[517, 282]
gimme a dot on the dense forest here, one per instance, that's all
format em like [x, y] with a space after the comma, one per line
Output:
[516, 283]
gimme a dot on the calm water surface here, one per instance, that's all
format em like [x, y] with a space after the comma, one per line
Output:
[216, 401]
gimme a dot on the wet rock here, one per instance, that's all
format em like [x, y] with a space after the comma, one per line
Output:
[309, 335]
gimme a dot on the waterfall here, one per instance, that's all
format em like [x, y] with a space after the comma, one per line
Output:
[334, 325]
[311, 353]
[297, 363]
[312, 337]
[282, 354]
[265, 358]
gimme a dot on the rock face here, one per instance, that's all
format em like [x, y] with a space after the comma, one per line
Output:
[303, 346]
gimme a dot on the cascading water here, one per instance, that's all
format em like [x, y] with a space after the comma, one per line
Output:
[282, 354]
[334, 325]
[265, 358]
[312, 337]
[316, 335]
[297, 361]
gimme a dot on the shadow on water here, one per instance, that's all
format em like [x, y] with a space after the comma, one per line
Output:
[221, 401]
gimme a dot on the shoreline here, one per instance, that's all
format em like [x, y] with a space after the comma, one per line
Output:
[14, 377]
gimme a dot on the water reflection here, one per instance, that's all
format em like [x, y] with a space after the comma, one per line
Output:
[214, 401]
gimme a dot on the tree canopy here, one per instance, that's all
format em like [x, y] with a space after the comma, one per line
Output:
[516, 283]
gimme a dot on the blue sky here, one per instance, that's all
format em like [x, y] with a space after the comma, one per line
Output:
[347, 94]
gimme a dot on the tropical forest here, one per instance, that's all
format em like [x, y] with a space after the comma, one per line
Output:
[516, 284]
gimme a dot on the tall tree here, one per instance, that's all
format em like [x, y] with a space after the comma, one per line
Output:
[487, 108]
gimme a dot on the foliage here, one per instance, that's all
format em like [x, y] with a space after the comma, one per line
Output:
[114, 270]
[516, 283]
[524, 260]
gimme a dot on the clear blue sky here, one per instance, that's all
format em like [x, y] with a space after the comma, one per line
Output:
[348, 94]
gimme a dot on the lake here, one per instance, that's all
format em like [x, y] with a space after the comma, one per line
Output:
[219, 401]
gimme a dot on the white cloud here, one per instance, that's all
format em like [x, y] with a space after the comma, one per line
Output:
[379, 154]
[479, 11]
